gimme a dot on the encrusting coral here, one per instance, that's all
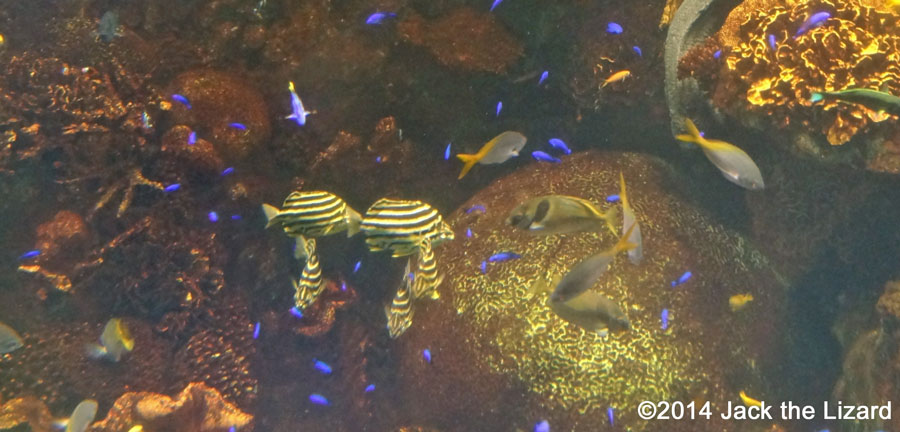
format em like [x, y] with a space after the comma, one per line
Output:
[776, 71]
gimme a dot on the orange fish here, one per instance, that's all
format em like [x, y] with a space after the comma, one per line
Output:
[616, 77]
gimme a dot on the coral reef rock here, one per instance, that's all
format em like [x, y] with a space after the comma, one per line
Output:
[489, 328]
[197, 408]
[218, 100]
[465, 39]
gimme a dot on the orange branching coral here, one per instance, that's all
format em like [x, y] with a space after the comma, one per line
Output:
[858, 47]
[198, 408]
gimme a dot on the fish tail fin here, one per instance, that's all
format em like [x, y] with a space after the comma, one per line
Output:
[692, 129]
[611, 216]
[95, 351]
[353, 222]
[623, 244]
[816, 97]
[469, 160]
[301, 252]
[622, 195]
[271, 213]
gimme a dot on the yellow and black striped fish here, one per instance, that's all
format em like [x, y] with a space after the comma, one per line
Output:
[308, 288]
[400, 312]
[401, 226]
[426, 277]
[313, 214]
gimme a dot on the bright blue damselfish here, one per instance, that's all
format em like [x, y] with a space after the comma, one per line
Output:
[318, 399]
[614, 28]
[504, 256]
[559, 145]
[544, 157]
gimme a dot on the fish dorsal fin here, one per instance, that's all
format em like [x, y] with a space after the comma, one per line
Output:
[622, 195]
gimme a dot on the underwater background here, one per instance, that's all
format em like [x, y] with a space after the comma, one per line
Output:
[146, 287]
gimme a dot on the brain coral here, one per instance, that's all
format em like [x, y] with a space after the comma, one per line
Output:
[857, 47]
[488, 325]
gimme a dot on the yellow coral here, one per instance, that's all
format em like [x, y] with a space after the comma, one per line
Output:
[859, 46]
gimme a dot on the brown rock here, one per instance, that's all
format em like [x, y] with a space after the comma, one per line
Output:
[219, 99]
[465, 39]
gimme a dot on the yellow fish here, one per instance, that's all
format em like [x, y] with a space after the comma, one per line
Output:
[739, 301]
[500, 149]
[734, 163]
[115, 341]
[136, 428]
[616, 77]
[749, 401]
[628, 219]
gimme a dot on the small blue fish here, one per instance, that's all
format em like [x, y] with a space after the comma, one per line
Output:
[235, 217]
[559, 145]
[610, 415]
[499, 108]
[232, 429]
[771, 40]
[192, 138]
[256, 330]
[476, 207]
[717, 54]
[496, 3]
[614, 198]
[296, 312]
[426, 353]
[318, 399]
[664, 317]
[172, 187]
[544, 157]
[637, 50]
[343, 286]
[238, 126]
[182, 100]
[542, 426]
[370, 388]
[812, 22]
[227, 171]
[30, 254]
[543, 78]
[614, 28]
[322, 367]
[213, 216]
[298, 112]
[504, 256]
[357, 266]
[379, 159]
[684, 278]
[377, 17]
[469, 232]
[447, 151]
[484, 267]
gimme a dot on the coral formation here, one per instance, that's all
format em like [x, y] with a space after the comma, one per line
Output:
[465, 39]
[26, 410]
[213, 95]
[858, 47]
[197, 408]
[870, 374]
[499, 329]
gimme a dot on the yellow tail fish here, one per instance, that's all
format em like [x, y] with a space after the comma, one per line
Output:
[734, 163]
